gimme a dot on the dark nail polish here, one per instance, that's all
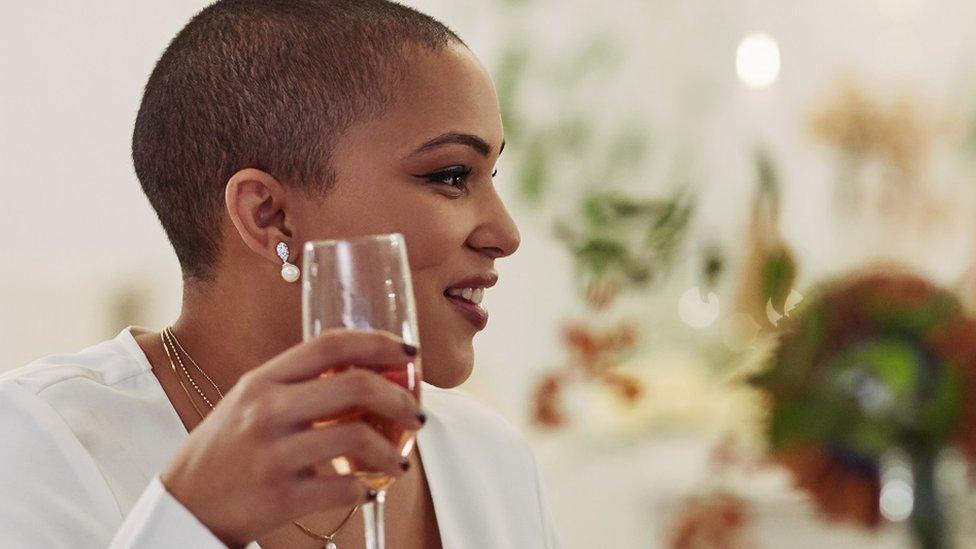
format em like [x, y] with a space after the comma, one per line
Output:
[371, 495]
[405, 464]
[410, 350]
[421, 417]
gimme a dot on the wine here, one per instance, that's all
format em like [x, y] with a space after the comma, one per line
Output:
[363, 283]
[406, 375]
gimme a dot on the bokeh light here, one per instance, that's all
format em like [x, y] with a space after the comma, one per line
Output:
[757, 60]
[697, 309]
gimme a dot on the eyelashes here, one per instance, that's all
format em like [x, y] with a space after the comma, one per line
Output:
[455, 176]
[452, 177]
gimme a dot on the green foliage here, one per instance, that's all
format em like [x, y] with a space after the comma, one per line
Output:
[599, 53]
[571, 134]
[534, 170]
[778, 276]
[768, 177]
[597, 255]
[629, 238]
[804, 419]
[668, 225]
[911, 316]
[885, 389]
[508, 83]
[613, 234]
[629, 147]
[942, 410]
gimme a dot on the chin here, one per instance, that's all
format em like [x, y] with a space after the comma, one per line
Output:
[447, 371]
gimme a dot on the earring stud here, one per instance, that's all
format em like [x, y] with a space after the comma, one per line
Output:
[289, 272]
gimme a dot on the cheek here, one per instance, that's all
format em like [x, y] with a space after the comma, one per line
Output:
[435, 251]
[434, 226]
[436, 248]
[433, 241]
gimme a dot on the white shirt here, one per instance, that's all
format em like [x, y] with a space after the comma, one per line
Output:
[83, 438]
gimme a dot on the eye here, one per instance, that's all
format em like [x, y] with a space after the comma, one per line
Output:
[453, 177]
[494, 173]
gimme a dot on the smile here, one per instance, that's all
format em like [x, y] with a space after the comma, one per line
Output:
[466, 297]
[473, 312]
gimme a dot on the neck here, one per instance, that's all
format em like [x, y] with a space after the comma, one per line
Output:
[232, 326]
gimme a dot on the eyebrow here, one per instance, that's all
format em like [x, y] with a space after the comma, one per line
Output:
[454, 138]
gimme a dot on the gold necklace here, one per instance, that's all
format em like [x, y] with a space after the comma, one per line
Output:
[170, 345]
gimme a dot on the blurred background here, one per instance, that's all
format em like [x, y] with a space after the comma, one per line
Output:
[684, 174]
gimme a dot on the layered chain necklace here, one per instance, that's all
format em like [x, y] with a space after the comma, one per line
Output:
[173, 349]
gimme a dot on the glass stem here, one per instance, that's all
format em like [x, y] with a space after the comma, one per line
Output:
[927, 517]
[373, 518]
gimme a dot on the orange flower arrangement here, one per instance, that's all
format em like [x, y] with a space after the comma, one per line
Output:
[593, 356]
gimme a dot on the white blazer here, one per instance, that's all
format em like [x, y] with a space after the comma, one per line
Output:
[83, 438]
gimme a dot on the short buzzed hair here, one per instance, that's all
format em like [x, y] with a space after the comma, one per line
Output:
[266, 84]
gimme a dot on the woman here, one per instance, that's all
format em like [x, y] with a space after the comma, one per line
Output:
[270, 122]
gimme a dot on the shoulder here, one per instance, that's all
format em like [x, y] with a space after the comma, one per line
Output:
[46, 464]
[39, 399]
[105, 364]
[35, 399]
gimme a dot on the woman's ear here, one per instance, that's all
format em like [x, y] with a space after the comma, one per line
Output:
[258, 207]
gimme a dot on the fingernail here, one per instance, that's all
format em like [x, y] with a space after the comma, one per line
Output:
[371, 495]
[405, 464]
[409, 349]
[421, 417]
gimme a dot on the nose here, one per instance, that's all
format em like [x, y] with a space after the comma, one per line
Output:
[496, 234]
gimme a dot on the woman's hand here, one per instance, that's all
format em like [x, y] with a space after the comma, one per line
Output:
[245, 470]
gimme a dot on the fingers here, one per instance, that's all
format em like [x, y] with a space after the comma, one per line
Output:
[332, 348]
[355, 441]
[319, 492]
[327, 397]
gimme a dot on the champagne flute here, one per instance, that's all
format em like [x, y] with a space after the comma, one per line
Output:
[364, 283]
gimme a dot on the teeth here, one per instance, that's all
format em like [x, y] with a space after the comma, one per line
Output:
[474, 295]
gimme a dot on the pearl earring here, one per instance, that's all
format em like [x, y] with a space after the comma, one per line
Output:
[288, 271]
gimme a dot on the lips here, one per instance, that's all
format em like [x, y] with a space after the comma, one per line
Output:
[466, 294]
[475, 314]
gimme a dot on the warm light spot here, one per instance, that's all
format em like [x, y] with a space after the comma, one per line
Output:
[757, 60]
[792, 301]
[897, 500]
[698, 310]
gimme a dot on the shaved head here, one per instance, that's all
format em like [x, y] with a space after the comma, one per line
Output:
[266, 84]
